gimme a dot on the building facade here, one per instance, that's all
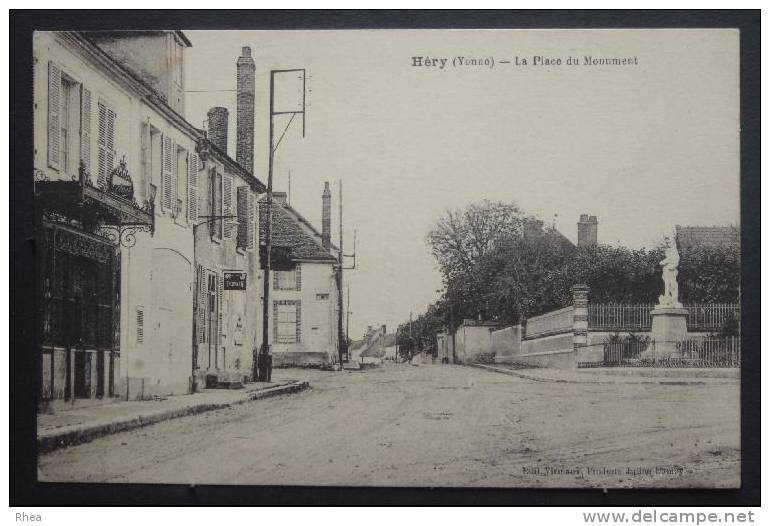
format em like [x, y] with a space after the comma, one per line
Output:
[113, 166]
[303, 327]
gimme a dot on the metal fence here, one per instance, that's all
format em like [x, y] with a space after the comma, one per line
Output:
[703, 352]
[620, 316]
[710, 317]
[706, 317]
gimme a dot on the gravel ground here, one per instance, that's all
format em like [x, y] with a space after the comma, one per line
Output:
[434, 425]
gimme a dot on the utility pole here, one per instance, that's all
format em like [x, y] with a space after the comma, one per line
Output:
[342, 345]
[347, 320]
[263, 366]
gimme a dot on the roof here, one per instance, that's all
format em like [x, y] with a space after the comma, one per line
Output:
[286, 232]
[390, 339]
[356, 344]
[693, 237]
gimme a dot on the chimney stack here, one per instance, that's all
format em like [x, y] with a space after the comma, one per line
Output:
[279, 198]
[217, 131]
[244, 153]
[588, 227]
[326, 217]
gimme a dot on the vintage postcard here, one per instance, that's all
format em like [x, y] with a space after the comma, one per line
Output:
[425, 258]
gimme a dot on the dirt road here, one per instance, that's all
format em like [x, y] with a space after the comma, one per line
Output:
[435, 425]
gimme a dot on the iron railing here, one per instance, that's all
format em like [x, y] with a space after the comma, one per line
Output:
[701, 353]
[703, 317]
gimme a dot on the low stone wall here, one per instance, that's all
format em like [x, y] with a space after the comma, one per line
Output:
[300, 359]
[507, 342]
[563, 359]
[557, 342]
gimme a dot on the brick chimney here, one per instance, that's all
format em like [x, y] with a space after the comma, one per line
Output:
[326, 217]
[217, 130]
[588, 227]
[244, 152]
[279, 198]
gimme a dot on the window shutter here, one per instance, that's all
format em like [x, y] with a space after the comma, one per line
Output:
[251, 220]
[168, 183]
[106, 144]
[220, 297]
[140, 325]
[85, 128]
[242, 204]
[203, 290]
[145, 145]
[203, 302]
[299, 277]
[54, 101]
[192, 189]
[227, 203]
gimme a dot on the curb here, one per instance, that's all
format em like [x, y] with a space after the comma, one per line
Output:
[57, 439]
[513, 372]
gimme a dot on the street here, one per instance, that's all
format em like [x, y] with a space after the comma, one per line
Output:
[434, 425]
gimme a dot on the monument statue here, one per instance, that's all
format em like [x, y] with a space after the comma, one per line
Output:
[669, 265]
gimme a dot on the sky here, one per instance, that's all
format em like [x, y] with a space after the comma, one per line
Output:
[643, 147]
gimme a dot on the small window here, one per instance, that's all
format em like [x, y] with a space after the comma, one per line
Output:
[286, 279]
[323, 296]
[287, 322]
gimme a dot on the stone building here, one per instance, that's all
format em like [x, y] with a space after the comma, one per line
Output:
[115, 165]
[303, 323]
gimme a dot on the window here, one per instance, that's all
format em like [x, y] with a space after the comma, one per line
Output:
[69, 122]
[68, 134]
[287, 279]
[322, 296]
[154, 164]
[286, 315]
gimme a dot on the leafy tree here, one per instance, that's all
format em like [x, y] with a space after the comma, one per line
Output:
[462, 237]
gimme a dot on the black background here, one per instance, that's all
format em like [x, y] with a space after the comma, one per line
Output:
[23, 385]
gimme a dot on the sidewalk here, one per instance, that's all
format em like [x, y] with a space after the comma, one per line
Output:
[82, 424]
[628, 375]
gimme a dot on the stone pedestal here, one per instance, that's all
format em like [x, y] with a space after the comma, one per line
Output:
[669, 326]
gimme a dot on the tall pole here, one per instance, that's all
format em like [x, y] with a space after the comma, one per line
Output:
[340, 306]
[261, 366]
[347, 319]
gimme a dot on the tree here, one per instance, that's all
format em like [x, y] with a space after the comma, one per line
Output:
[462, 237]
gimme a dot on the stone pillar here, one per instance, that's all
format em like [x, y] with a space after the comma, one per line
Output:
[669, 326]
[579, 319]
[245, 85]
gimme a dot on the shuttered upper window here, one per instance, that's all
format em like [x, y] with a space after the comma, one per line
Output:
[106, 142]
[245, 203]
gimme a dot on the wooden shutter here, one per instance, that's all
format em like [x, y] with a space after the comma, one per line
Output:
[106, 144]
[167, 176]
[54, 102]
[140, 325]
[251, 219]
[85, 128]
[146, 162]
[203, 306]
[192, 189]
[227, 203]
[242, 203]
[220, 305]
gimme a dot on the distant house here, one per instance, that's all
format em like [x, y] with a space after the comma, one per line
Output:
[303, 323]
[372, 348]
[692, 237]
[391, 347]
